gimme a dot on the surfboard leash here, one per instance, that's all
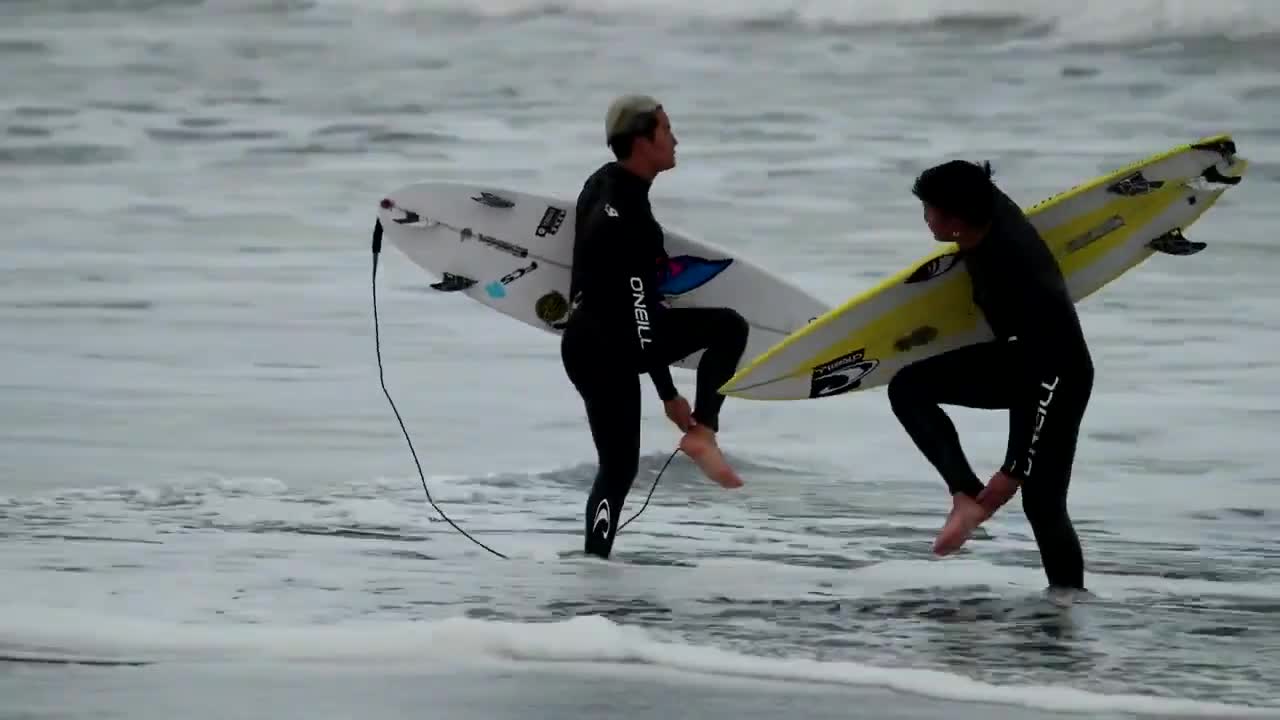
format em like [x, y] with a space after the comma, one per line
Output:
[377, 344]
[651, 489]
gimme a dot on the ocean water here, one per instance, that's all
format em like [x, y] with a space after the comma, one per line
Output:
[207, 507]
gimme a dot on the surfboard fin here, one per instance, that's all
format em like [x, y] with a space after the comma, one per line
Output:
[1175, 243]
[1213, 175]
[453, 283]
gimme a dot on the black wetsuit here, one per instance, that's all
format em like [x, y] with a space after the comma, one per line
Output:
[619, 329]
[1038, 367]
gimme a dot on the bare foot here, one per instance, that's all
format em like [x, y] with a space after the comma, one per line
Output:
[699, 443]
[966, 514]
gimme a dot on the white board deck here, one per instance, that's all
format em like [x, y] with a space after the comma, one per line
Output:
[511, 251]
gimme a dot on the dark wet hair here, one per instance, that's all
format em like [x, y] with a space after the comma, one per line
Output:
[959, 188]
[643, 124]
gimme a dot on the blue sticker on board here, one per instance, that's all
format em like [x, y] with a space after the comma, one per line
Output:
[685, 273]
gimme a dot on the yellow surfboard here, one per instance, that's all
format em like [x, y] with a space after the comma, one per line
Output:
[1097, 230]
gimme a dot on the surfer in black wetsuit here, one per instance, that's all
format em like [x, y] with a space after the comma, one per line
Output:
[619, 327]
[1038, 367]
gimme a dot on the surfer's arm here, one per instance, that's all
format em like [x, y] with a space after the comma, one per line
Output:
[648, 324]
[661, 376]
[1022, 418]
[1032, 405]
[638, 272]
[1050, 346]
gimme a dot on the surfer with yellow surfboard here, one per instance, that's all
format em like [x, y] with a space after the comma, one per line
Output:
[917, 331]
[1037, 366]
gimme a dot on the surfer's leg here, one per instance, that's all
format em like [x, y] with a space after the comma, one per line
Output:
[613, 413]
[1044, 487]
[611, 396]
[722, 332]
[1045, 506]
[977, 377]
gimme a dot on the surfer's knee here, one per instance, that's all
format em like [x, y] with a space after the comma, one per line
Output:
[904, 387]
[735, 321]
[733, 326]
[723, 323]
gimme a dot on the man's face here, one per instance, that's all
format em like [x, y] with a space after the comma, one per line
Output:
[661, 151]
[944, 228]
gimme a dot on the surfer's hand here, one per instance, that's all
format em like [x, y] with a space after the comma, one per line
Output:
[1000, 489]
[679, 413]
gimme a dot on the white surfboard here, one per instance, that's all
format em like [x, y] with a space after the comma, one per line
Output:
[512, 251]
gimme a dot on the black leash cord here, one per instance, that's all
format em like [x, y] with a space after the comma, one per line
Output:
[651, 489]
[377, 343]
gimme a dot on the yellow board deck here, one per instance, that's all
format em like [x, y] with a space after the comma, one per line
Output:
[1097, 230]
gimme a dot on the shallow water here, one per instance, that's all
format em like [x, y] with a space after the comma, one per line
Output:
[198, 465]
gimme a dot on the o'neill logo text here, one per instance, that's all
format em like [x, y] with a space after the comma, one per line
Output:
[1042, 412]
[641, 312]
